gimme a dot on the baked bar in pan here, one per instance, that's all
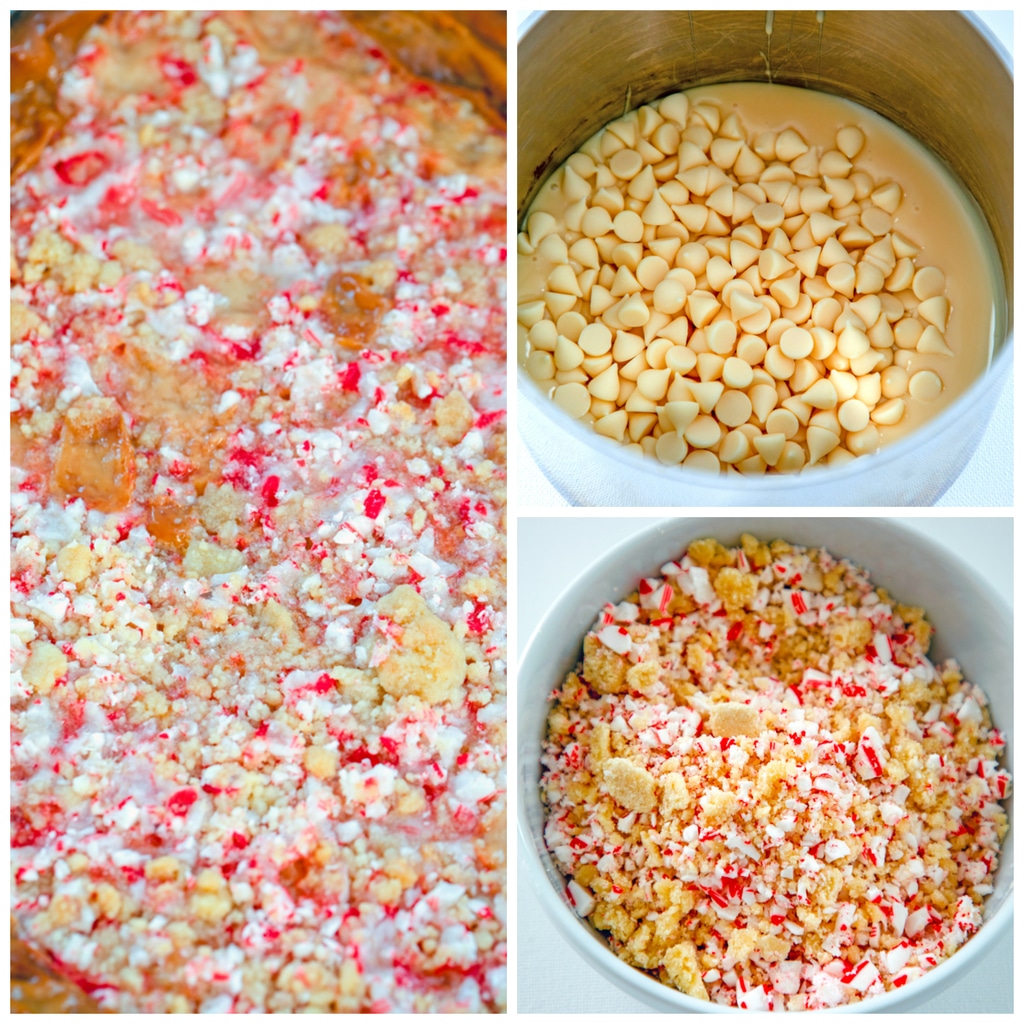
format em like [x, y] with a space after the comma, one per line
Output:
[258, 561]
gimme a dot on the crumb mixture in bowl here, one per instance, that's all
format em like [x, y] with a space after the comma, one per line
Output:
[763, 792]
[258, 378]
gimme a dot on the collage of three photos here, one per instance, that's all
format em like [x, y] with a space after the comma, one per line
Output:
[365, 660]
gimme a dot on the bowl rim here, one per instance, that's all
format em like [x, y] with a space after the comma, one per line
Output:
[585, 940]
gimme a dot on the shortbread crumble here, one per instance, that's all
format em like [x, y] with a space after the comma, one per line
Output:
[761, 789]
[258, 376]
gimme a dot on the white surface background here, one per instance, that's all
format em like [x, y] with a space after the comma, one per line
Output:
[986, 480]
[552, 978]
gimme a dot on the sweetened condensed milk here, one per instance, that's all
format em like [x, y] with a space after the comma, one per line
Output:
[755, 277]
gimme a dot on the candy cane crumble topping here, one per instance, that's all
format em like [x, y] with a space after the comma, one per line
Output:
[797, 813]
[259, 624]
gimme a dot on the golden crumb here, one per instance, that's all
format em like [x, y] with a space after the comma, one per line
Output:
[684, 971]
[603, 669]
[736, 589]
[454, 416]
[46, 664]
[710, 552]
[732, 719]
[629, 784]
[428, 661]
[320, 762]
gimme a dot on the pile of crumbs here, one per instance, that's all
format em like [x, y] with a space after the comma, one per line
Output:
[258, 637]
[761, 789]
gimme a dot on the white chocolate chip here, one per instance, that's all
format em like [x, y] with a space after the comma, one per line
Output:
[573, 398]
[925, 386]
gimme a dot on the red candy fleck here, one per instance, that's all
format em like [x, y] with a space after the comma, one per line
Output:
[81, 168]
[479, 619]
[178, 71]
[734, 632]
[485, 419]
[269, 491]
[160, 213]
[181, 801]
[117, 199]
[473, 348]
[465, 510]
[350, 378]
[362, 753]
[717, 897]
[373, 503]
[872, 758]
[180, 469]
[325, 684]
[245, 352]
[74, 717]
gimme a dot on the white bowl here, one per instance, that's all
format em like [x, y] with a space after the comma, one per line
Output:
[972, 624]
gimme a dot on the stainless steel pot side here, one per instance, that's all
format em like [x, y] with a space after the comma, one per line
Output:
[938, 75]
